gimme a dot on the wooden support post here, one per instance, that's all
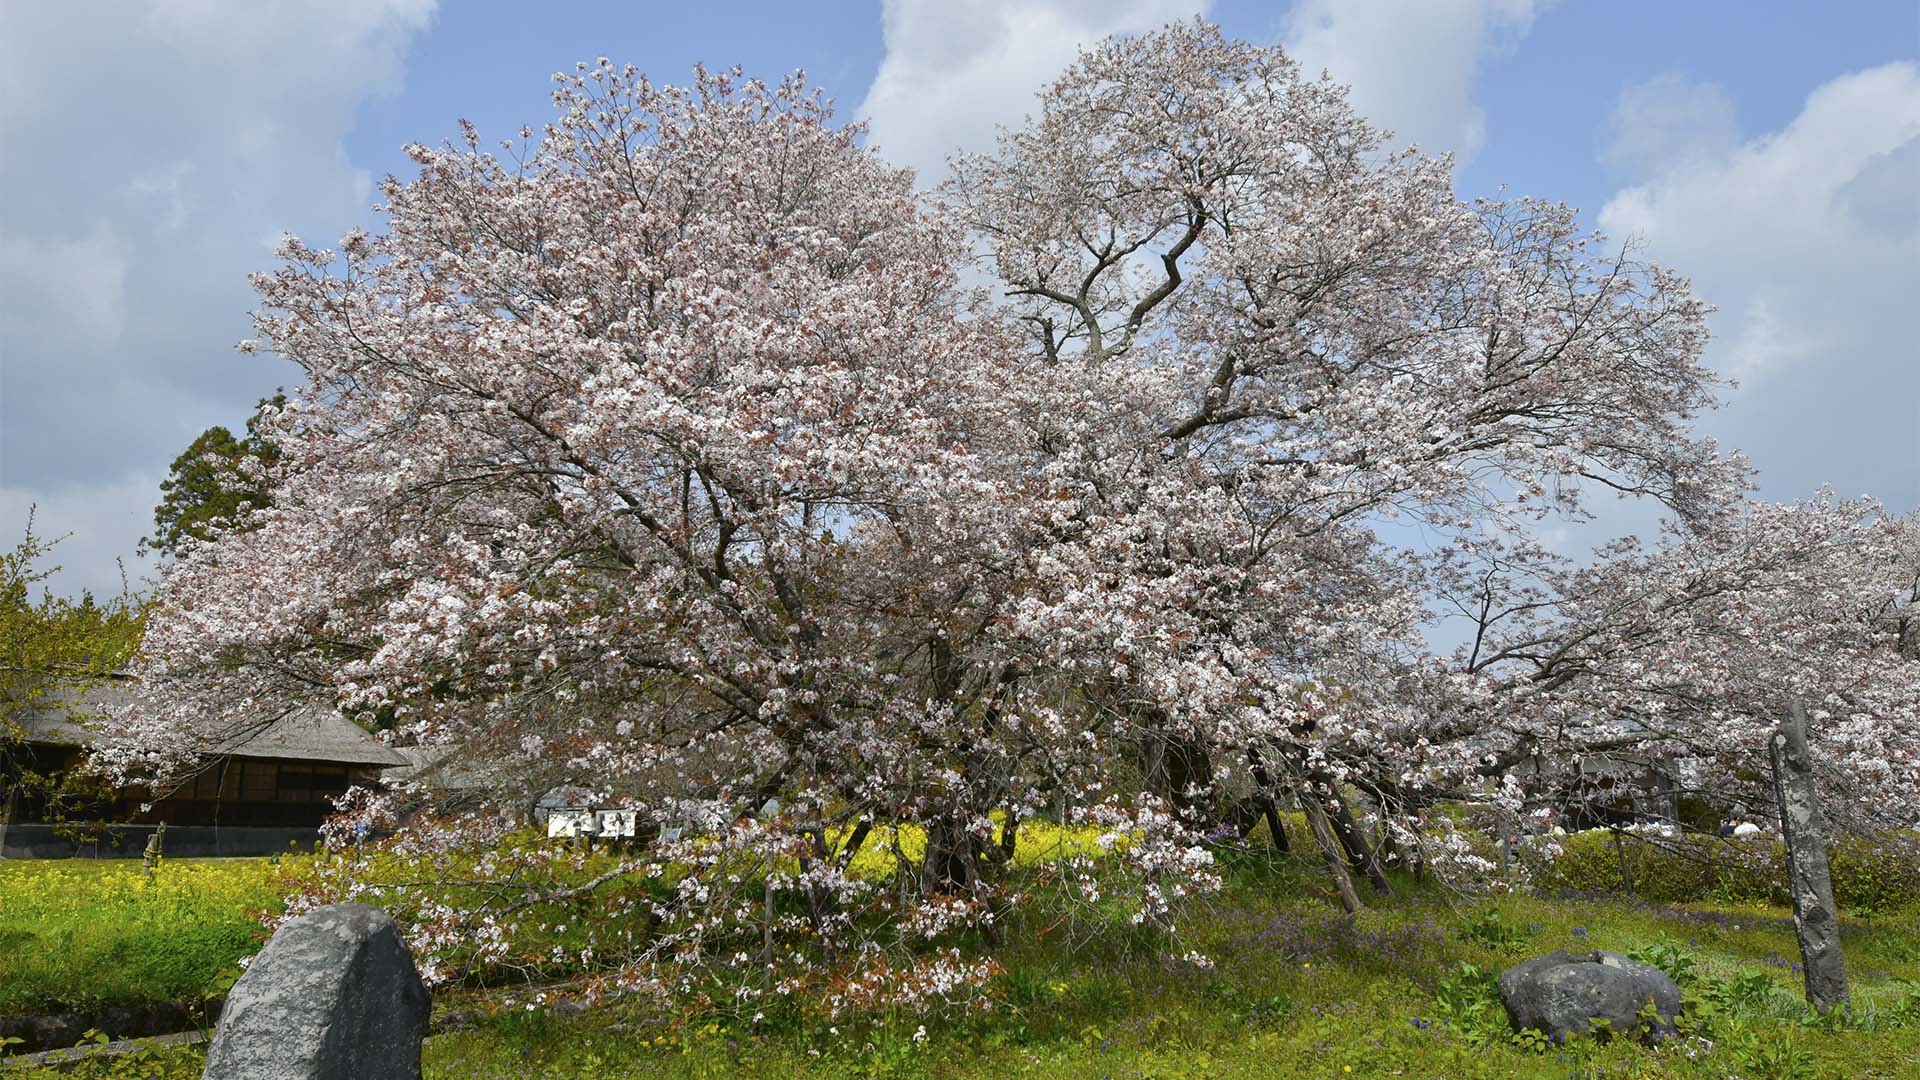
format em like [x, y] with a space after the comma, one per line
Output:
[1276, 832]
[1330, 851]
[1354, 841]
[766, 929]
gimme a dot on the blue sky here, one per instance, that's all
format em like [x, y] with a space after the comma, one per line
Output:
[154, 151]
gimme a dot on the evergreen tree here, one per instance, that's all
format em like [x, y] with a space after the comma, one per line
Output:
[213, 484]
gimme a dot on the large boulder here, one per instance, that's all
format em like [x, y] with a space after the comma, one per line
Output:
[333, 996]
[1562, 993]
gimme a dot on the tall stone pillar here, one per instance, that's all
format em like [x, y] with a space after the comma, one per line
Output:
[1815, 919]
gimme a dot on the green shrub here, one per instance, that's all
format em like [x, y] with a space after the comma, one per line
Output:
[1771, 1055]
[1670, 958]
[1600, 861]
[1747, 992]
[1470, 999]
[151, 1063]
[1875, 875]
[1870, 874]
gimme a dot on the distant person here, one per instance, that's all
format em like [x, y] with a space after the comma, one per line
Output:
[1728, 825]
[1746, 828]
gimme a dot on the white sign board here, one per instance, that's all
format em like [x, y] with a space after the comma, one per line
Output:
[566, 824]
[616, 823]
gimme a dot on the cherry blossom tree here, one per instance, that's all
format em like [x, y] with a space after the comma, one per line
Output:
[1691, 653]
[1290, 336]
[657, 460]
[664, 456]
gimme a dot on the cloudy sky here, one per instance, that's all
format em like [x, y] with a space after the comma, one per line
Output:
[151, 153]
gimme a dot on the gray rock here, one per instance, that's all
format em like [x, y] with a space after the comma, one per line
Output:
[334, 996]
[55, 1031]
[118, 1022]
[1561, 993]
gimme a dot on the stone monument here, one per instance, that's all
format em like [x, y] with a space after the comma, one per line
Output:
[333, 996]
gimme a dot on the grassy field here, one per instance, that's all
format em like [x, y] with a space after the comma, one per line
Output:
[1297, 991]
[78, 934]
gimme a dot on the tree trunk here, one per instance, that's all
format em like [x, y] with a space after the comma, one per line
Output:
[1804, 828]
[6, 813]
[1153, 763]
[850, 847]
[1247, 814]
[948, 866]
[819, 903]
[1275, 830]
[1620, 853]
[1179, 770]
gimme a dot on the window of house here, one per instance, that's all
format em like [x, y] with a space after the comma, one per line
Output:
[257, 781]
[329, 781]
[296, 783]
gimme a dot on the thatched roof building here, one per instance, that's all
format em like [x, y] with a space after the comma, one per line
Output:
[280, 776]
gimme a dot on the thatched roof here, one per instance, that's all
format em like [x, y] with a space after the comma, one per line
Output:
[439, 767]
[303, 734]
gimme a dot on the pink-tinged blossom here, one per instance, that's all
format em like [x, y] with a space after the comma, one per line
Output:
[1688, 655]
[669, 463]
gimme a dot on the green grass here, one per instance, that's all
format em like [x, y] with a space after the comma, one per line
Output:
[1297, 991]
[80, 934]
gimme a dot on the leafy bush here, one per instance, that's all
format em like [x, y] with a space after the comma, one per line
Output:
[1470, 998]
[150, 1063]
[1877, 875]
[1748, 991]
[1669, 958]
[1771, 1056]
[1870, 874]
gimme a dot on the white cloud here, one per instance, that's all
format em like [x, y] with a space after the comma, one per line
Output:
[1670, 120]
[152, 154]
[955, 70]
[1808, 239]
[90, 521]
[64, 291]
[1411, 65]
